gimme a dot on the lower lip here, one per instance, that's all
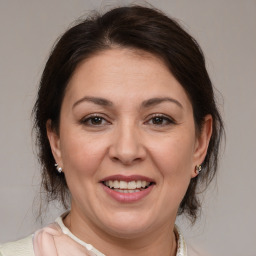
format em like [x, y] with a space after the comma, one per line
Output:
[127, 197]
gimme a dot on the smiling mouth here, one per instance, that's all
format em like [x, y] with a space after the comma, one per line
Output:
[127, 187]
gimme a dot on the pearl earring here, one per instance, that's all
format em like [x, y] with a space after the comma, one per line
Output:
[198, 169]
[59, 169]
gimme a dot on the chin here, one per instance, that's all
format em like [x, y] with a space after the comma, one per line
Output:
[127, 232]
[128, 225]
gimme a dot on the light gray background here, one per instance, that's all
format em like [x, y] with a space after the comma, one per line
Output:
[226, 30]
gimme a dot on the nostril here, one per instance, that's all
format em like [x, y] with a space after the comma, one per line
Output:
[115, 159]
[126, 161]
[126, 153]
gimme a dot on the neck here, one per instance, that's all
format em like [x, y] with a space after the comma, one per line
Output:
[159, 242]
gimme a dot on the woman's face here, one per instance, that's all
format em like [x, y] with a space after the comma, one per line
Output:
[126, 143]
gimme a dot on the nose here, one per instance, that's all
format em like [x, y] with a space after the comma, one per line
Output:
[127, 147]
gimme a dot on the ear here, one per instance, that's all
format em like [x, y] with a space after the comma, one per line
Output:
[202, 142]
[54, 140]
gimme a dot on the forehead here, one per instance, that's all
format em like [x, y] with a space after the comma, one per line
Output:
[124, 74]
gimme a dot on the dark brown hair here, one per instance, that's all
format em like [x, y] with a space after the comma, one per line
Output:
[138, 28]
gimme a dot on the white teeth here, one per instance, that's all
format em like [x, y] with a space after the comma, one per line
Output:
[116, 184]
[138, 184]
[127, 186]
[123, 184]
[127, 190]
[132, 185]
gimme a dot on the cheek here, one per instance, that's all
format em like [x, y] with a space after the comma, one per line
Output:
[174, 156]
[81, 154]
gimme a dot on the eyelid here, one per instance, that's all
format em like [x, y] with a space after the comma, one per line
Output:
[101, 115]
[106, 119]
[164, 116]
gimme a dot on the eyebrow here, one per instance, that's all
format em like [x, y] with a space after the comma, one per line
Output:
[95, 100]
[155, 101]
[145, 104]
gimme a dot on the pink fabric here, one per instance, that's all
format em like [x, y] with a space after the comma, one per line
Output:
[51, 241]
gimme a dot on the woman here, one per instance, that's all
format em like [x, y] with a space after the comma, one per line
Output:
[127, 129]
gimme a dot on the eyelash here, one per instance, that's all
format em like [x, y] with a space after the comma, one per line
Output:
[164, 118]
[88, 120]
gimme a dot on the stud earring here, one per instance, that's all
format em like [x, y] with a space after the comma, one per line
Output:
[59, 169]
[198, 169]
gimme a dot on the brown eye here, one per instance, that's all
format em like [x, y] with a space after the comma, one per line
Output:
[160, 120]
[94, 121]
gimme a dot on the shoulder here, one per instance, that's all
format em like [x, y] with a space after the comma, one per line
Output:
[23, 247]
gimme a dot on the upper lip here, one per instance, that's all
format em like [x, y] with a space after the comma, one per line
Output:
[120, 177]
